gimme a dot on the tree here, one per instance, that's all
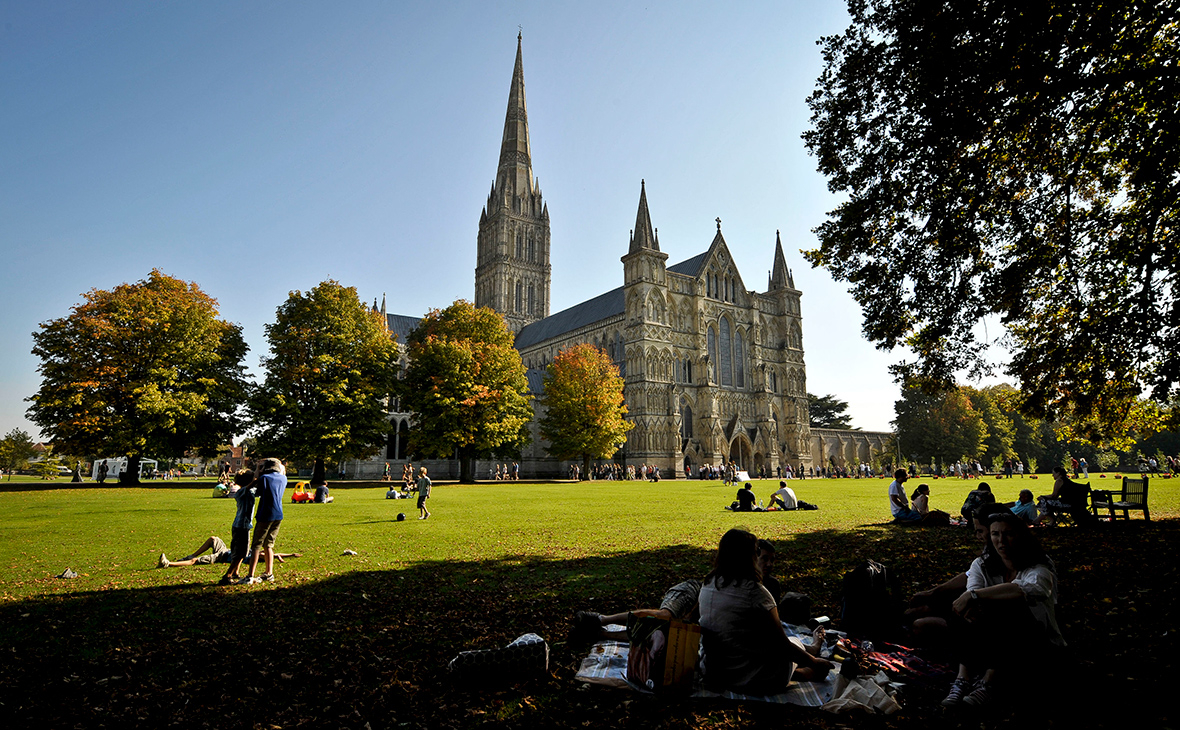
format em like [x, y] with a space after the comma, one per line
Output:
[143, 369]
[15, 451]
[997, 444]
[941, 426]
[585, 414]
[828, 412]
[1016, 159]
[465, 385]
[332, 366]
[46, 468]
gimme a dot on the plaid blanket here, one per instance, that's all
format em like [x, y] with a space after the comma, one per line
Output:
[607, 665]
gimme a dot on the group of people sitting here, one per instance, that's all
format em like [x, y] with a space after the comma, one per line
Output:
[744, 646]
[783, 499]
[992, 617]
[303, 494]
[1067, 498]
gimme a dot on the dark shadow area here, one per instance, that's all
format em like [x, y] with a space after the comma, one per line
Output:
[372, 647]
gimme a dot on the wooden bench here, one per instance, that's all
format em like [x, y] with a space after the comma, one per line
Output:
[1133, 496]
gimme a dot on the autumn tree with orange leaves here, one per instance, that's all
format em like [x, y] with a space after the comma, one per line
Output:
[585, 413]
[145, 369]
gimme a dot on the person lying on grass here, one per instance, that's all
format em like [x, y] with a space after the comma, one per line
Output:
[1007, 614]
[744, 647]
[219, 553]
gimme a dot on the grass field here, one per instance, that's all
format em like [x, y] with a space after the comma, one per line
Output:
[349, 640]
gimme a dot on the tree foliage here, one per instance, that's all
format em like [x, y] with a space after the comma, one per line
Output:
[828, 412]
[1000, 431]
[331, 368]
[941, 426]
[1017, 159]
[16, 449]
[585, 414]
[143, 369]
[465, 385]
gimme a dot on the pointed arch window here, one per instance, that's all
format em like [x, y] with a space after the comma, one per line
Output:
[519, 245]
[739, 356]
[519, 297]
[532, 250]
[712, 345]
[532, 299]
[685, 420]
[726, 346]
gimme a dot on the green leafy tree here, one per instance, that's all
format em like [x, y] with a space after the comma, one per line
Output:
[828, 412]
[585, 414]
[1013, 159]
[997, 444]
[143, 369]
[15, 451]
[331, 368]
[47, 467]
[940, 426]
[465, 385]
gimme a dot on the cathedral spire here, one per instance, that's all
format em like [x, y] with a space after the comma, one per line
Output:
[515, 174]
[780, 277]
[643, 237]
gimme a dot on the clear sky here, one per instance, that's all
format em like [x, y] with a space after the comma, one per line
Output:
[261, 147]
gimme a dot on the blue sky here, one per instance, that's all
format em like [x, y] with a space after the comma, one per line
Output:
[261, 147]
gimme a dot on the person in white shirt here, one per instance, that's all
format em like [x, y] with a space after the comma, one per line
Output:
[785, 497]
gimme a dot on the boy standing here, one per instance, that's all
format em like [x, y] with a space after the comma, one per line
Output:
[271, 484]
[239, 543]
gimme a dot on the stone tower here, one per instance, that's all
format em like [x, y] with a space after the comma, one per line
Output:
[512, 263]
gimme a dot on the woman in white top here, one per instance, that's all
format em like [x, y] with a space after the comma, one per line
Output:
[743, 645]
[1008, 610]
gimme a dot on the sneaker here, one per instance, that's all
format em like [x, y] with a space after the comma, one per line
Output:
[267, 577]
[227, 581]
[959, 688]
[249, 580]
[980, 696]
[163, 561]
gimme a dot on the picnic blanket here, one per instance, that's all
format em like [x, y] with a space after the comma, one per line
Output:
[607, 665]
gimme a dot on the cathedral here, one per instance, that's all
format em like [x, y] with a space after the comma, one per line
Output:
[713, 371]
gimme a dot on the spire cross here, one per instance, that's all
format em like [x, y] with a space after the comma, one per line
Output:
[718, 225]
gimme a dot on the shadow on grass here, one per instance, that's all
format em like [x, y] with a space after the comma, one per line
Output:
[371, 647]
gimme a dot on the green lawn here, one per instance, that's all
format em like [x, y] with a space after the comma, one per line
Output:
[494, 561]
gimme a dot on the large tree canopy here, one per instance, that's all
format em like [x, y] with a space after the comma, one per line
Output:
[465, 385]
[828, 411]
[146, 369]
[942, 426]
[331, 369]
[585, 415]
[1010, 158]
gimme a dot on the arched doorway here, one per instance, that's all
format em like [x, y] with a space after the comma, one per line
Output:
[741, 453]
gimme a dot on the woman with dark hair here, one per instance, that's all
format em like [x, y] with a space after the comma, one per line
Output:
[744, 647]
[1007, 612]
[1067, 496]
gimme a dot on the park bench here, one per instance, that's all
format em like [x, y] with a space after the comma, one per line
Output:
[1133, 496]
[1072, 507]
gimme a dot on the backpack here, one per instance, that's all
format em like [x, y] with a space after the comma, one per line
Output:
[870, 606]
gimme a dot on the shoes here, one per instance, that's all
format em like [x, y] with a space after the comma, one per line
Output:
[249, 580]
[227, 581]
[163, 562]
[422, 517]
[267, 577]
[959, 688]
[586, 629]
[981, 695]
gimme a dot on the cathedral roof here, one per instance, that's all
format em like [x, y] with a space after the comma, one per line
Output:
[402, 325]
[568, 320]
[692, 266]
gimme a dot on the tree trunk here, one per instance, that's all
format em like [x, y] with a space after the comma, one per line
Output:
[131, 476]
[318, 476]
[585, 475]
[467, 465]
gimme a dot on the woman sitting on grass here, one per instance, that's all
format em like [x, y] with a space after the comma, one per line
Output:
[744, 647]
[1007, 614]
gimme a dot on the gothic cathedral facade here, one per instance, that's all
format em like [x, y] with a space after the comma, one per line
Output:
[713, 371]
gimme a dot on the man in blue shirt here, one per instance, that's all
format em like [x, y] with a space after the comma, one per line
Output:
[271, 483]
